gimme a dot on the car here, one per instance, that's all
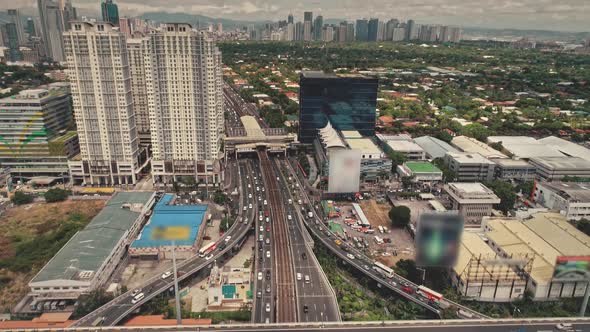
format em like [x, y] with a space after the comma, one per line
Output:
[265, 203]
[349, 255]
[564, 327]
[136, 291]
[137, 298]
[307, 279]
[208, 257]
[245, 208]
[303, 256]
[260, 237]
[267, 241]
[258, 294]
[260, 218]
[260, 259]
[267, 219]
[249, 195]
[227, 238]
[268, 228]
[268, 288]
[267, 307]
[250, 206]
[268, 254]
[166, 274]
[366, 267]
[259, 275]
[305, 308]
[267, 274]
[261, 229]
[289, 217]
[393, 283]
[299, 276]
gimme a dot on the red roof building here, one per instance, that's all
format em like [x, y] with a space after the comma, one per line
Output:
[159, 320]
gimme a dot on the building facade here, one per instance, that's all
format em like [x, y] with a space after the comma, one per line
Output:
[473, 201]
[469, 166]
[52, 26]
[138, 50]
[98, 68]
[110, 12]
[571, 199]
[554, 168]
[185, 102]
[34, 136]
[348, 102]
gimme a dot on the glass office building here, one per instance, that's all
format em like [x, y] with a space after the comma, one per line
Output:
[348, 102]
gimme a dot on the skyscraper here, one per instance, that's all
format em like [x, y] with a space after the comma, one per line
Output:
[125, 26]
[380, 31]
[185, 102]
[68, 13]
[350, 32]
[138, 50]
[373, 29]
[110, 12]
[52, 27]
[347, 102]
[14, 53]
[362, 30]
[18, 24]
[318, 24]
[307, 25]
[410, 30]
[290, 19]
[298, 31]
[290, 36]
[391, 24]
[342, 30]
[98, 69]
[30, 27]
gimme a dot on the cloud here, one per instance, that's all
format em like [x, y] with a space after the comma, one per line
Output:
[527, 14]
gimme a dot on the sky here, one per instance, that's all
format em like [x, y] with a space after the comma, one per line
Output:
[560, 15]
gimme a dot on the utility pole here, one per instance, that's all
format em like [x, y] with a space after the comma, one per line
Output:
[176, 295]
[585, 301]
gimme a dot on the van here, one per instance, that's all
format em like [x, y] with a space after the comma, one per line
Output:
[137, 298]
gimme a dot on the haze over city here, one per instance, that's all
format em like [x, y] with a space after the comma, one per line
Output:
[571, 15]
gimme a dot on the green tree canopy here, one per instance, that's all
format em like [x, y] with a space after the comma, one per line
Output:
[505, 192]
[399, 216]
[20, 198]
[407, 269]
[56, 195]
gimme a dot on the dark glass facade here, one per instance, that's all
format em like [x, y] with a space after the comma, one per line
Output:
[110, 12]
[348, 102]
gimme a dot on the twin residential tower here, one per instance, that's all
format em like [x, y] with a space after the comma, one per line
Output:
[161, 92]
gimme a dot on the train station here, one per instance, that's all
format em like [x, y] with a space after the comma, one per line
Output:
[251, 136]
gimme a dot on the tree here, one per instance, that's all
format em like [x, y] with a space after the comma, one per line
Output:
[399, 216]
[91, 302]
[397, 158]
[583, 225]
[56, 195]
[407, 269]
[477, 131]
[219, 197]
[20, 198]
[444, 136]
[526, 188]
[505, 192]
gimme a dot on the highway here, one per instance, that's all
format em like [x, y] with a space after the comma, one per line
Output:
[239, 106]
[117, 309]
[365, 264]
[317, 294]
[284, 278]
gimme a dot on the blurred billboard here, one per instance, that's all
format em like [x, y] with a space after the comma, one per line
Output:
[572, 268]
[438, 238]
[345, 171]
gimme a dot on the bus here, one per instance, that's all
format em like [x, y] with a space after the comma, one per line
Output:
[429, 294]
[207, 249]
[381, 268]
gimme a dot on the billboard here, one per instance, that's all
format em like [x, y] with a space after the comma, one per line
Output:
[345, 171]
[438, 238]
[572, 268]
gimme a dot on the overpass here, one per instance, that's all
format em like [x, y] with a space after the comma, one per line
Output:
[117, 309]
[250, 137]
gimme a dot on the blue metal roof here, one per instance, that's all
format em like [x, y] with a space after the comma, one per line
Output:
[165, 215]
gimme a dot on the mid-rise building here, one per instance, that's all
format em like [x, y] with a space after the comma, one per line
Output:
[508, 169]
[348, 102]
[408, 148]
[98, 69]
[470, 166]
[420, 171]
[473, 201]
[228, 288]
[138, 50]
[185, 102]
[35, 132]
[554, 168]
[571, 199]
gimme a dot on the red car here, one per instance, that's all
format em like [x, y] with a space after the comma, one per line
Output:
[408, 289]
[268, 228]
[266, 213]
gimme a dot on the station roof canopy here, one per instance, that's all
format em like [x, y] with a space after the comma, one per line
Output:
[252, 127]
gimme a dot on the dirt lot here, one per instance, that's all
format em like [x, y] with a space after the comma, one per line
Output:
[26, 224]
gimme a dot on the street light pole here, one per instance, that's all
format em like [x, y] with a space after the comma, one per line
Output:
[176, 295]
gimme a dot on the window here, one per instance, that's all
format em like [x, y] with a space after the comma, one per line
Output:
[100, 27]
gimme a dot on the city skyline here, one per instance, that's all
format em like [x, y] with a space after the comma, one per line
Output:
[521, 14]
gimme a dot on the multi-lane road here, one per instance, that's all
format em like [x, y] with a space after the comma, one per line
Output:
[365, 264]
[117, 309]
[238, 106]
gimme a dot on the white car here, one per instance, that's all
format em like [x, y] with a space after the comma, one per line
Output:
[267, 307]
[268, 254]
[299, 276]
[250, 206]
[289, 217]
[267, 241]
[267, 219]
[166, 274]
[261, 229]
[265, 203]
[351, 256]
[209, 257]
[260, 218]
[564, 327]
[228, 238]
[136, 291]
[249, 195]
[259, 275]
[245, 208]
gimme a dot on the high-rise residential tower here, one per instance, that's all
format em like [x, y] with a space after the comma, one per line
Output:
[98, 69]
[138, 50]
[290, 19]
[373, 29]
[110, 12]
[410, 30]
[362, 30]
[185, 101]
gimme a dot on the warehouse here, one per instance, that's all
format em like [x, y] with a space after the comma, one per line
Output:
[553, 168]
[524, 147]
[471, 145]
[181, 219]
[571, 199]
[91, 255]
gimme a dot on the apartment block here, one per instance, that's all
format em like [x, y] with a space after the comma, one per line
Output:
[98, 68]
[185, 101]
